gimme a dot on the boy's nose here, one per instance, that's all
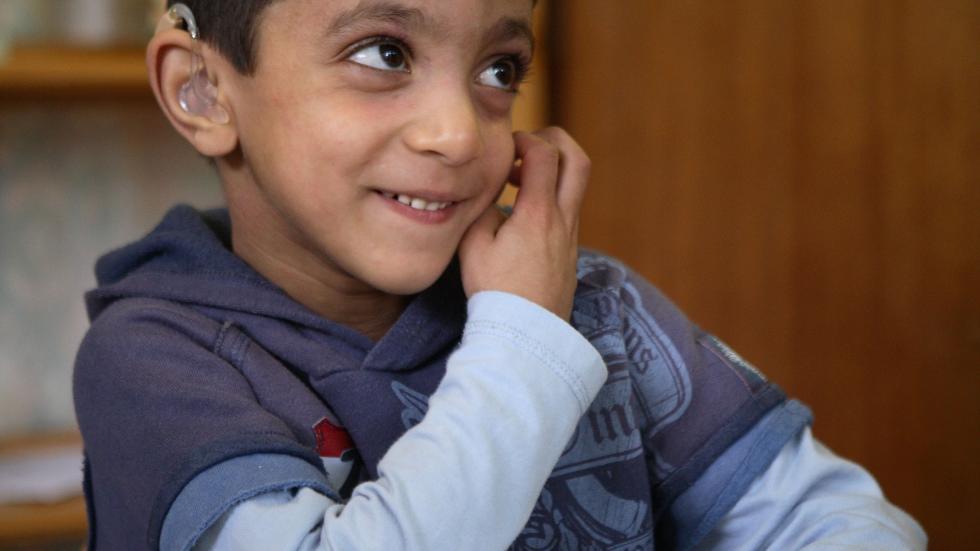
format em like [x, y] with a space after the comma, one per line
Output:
[446, 125]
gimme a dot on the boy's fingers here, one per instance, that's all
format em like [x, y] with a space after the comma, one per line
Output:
[482, 231]
[538, 172]
[573, 174]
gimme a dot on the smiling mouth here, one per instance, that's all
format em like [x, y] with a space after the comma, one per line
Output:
[417, 203]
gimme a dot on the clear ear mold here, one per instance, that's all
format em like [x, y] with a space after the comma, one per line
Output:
[198, 95]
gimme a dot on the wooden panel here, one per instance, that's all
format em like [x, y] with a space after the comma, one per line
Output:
[37, 526]
[43, 71]
[530, 108]
[803, 179]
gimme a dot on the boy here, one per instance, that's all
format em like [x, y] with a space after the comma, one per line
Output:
[362, 353]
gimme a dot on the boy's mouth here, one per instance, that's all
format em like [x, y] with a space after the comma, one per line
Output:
[417, 203]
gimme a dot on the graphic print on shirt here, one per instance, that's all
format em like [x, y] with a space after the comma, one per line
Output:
[592, 499]
[663, 388]
[414, 403]
[337, 453]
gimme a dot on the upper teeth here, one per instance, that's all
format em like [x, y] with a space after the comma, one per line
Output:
[416, 203]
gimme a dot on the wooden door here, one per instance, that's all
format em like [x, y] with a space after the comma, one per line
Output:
[802, 179]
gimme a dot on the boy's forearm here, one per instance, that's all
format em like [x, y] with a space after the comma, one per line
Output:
[811, 499]
[469, 474]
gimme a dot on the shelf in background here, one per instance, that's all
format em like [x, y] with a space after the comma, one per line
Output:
[57, 525]
[43, 71]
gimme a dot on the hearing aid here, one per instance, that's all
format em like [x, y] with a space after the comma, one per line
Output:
[198, 96]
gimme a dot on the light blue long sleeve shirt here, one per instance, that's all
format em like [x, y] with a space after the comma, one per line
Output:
[463, 480]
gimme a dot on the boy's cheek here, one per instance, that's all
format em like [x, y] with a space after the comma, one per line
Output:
[503, 154]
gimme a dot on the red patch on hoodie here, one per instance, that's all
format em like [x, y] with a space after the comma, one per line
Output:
[331, 440]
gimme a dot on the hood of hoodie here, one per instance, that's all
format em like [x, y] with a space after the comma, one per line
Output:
[296, 369]
[188, 259]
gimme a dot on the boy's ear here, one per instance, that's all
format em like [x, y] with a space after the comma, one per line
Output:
[170, 62]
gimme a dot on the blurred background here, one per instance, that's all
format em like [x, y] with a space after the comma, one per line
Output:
[801, 177]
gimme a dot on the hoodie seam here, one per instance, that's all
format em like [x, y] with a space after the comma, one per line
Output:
[288, 314]
[222, 275]
[220, 340]
[238, 352]
[542, 352]
[167, 307]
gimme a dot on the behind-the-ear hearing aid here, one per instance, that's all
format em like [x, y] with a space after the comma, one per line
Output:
[198, 96]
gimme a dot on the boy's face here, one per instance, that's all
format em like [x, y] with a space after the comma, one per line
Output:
[355, 102]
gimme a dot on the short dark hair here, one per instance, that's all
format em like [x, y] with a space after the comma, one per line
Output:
[230, 26]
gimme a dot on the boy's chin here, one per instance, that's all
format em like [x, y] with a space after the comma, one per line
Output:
[409, 280]
[405, 287]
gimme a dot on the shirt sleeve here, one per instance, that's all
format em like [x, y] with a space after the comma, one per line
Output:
[468, 475]
[811, 499]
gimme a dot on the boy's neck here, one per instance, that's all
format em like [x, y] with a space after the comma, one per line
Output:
[338, 297]
[368, 311]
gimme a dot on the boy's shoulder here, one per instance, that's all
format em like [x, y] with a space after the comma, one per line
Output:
[630, 321]
[599, 270]
[131, 322]
[676, 400]
[611, 295]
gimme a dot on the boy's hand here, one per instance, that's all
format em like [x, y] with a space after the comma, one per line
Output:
[532, 253]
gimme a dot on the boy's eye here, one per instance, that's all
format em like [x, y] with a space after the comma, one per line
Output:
[504, 73]
[385, 56]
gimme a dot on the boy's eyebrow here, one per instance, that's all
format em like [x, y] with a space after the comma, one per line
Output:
[390, 12]
[415, 19]
[508, 28]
